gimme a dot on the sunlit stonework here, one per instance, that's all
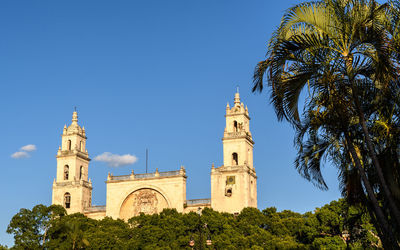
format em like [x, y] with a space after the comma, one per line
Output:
[144, 201]
[233, 185]
[147, 201]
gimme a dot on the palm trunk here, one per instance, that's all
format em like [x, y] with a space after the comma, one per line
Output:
[389, 239]
[44, 237]
[393, 208]
[377, 226]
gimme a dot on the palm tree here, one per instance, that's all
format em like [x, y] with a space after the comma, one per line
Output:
[76, 234]
[325, 134]
[339, 50]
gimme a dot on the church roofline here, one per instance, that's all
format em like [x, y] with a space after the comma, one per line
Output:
[95, 209]
[198, 202]
[137, 177]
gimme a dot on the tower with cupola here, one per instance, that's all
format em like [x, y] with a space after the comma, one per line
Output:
[234, 184]
[72, 188]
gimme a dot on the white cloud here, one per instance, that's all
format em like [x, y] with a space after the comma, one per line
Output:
[28, 148]
[23, 151]
[114, 160]
[20, 154]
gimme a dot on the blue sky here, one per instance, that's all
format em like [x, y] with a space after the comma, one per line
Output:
[143, 74]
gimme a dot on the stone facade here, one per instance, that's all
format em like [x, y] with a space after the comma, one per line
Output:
[72, 188]
[233, 185]
[149, 193]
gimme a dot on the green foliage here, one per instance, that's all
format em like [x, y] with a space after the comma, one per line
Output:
[251, 229]
[70, 232]
[30, 227]
[333, 243]
[338, 59]
[3, 247]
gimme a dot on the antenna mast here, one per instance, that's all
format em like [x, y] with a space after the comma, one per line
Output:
[147, 158]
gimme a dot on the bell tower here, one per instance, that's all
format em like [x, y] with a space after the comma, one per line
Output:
[71, 188]
[234, 184]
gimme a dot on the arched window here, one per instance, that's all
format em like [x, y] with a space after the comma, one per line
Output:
[235, 126]
[69, 145]
[228, 192]
[81, 173]
[67, 200]
[234, 159]
[66, 172]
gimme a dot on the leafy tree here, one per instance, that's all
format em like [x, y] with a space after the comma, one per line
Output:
[69, 232]
[251, 229]
[30, 227]
[334, 242]
[108, 233]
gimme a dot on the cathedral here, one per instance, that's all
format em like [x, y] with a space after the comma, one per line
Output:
[233, 185]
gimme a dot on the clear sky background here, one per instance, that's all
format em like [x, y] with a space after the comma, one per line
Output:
[143, 74]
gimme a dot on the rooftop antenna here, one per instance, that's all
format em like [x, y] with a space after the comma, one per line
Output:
[75, 108]
[147, 158]
[237, 88]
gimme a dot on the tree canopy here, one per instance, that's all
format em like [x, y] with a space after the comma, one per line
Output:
[335, 225]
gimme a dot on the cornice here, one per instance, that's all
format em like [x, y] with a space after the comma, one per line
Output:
[74, 184]
[234, 169]
[239, 113]
[78, 154]
[74, 133]
[248, 138]
[145, 179]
